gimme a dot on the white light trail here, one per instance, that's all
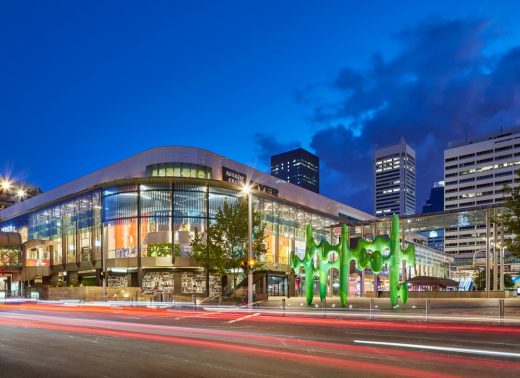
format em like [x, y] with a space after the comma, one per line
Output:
[443, 349]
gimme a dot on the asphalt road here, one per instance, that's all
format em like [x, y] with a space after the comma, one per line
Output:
[88, 341]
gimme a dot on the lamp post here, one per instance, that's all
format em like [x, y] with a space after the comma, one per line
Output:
[247, 190]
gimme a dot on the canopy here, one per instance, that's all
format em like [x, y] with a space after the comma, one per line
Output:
[432, 281]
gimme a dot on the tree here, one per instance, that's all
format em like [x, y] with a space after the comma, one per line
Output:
[223, 247]
[510, 218]
[479, 278]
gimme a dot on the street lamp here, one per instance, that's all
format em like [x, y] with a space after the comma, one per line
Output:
[6, 185]
[246, 189]
[20, 193]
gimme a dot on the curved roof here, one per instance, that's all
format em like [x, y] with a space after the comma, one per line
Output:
[135, 167]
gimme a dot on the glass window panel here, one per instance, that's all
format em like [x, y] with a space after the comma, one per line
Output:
[189, 204]
[119, 189]
[217, 201]
[178, 170]
[184, 230]
[155, 203]
[120, 238]
[122, 205]
[156, 236]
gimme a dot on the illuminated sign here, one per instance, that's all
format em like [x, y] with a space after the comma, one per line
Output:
[9, 228]
[239, 178]
[233, 176]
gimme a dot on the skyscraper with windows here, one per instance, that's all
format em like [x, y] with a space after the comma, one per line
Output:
[475, 172]
[394, 180]
[299, 167]
[436, 201]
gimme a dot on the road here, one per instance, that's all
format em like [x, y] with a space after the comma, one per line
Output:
[97, 341]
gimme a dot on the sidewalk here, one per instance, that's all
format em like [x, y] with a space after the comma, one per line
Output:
[452, 307]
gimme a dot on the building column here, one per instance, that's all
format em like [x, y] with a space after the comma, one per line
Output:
[487, 254]
[502, 258]
[139, 249]
[362, 283]
[495, 254]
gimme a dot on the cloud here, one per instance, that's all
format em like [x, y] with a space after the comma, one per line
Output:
[267, 145]
[441, 86]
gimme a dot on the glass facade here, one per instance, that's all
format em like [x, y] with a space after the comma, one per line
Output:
[178, 170]
[149, 222]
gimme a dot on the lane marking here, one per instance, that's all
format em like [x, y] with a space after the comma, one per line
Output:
[205, 314]
[243, 318]
[441, 348]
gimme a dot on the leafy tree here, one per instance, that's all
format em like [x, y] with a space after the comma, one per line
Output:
[479, 278]
[164, 249]
[510, 218]
[224, 247]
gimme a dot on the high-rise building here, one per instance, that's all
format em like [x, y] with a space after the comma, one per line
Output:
[299, 167]
[436, 201]
[475, 172]
[394, 180]
[12, 192]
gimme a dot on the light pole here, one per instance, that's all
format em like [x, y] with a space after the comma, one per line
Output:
[247, 190]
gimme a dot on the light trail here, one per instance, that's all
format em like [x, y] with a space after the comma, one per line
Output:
[442, 348]
[243, 318]
[269, 341]
[322, 361]
[301, 318]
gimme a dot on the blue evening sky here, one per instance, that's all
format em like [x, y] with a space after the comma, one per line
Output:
[84, 84]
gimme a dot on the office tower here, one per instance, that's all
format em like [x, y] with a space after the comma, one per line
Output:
[436, 201]
[394, 180]
[299, 167]
[475, 172]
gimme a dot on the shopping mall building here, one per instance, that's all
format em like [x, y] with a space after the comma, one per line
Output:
[131, 212]
[136, 218]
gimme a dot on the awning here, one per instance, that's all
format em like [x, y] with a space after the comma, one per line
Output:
[10, 239]
[432, 281]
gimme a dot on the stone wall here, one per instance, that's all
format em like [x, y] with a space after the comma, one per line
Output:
[88, 293]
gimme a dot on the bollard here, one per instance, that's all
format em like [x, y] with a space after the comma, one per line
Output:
[219, 301]
[283, 304]
[324, 306]
[371, 306]
[194, 302]
[501, 311]
[427, 308]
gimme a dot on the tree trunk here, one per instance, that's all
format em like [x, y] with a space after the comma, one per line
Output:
[207, 282]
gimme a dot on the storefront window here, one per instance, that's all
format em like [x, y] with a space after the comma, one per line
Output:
[156, 236]
[120, 238]
[38, 256]
[184, 230]
[57, 251]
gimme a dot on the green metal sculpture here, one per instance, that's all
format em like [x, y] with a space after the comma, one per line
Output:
[320, 258]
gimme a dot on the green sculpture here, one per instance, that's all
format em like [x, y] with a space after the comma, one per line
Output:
[320, 258]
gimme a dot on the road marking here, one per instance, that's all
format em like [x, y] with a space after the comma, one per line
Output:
[444, 349]
[244, 318]
[203, 315]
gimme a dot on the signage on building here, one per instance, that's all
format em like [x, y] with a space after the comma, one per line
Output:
[230, 175]
[239, 178]
[9, 228]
